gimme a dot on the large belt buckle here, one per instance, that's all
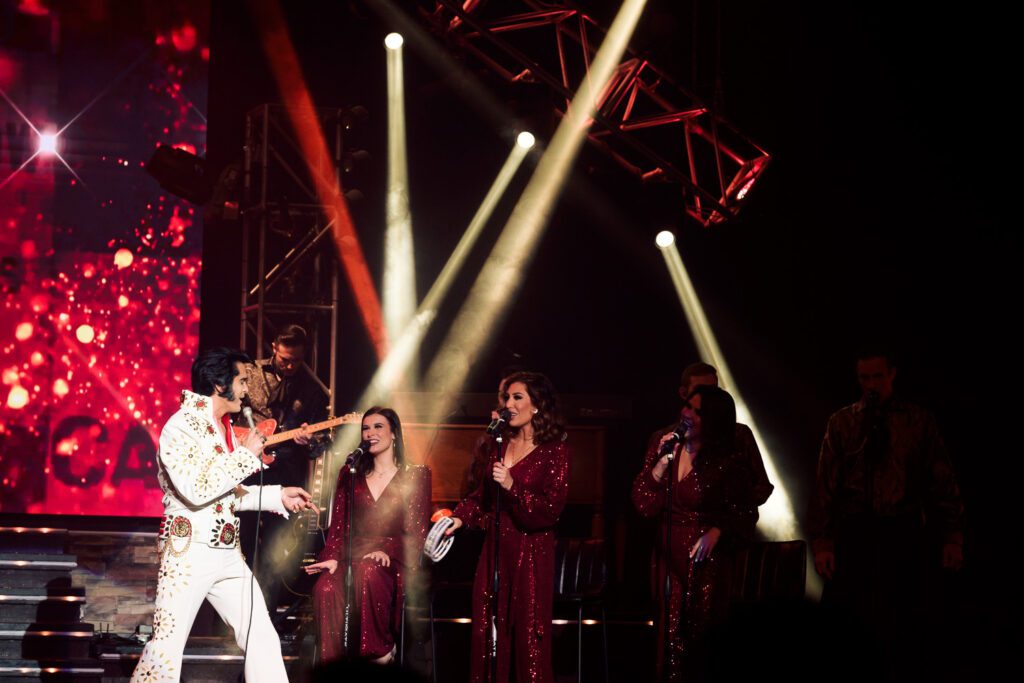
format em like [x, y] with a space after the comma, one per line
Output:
[181, 527]
[177, 527]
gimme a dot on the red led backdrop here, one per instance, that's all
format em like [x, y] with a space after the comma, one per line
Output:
[100, 268]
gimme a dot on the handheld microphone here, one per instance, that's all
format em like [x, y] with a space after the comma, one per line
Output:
[247, 412]
[499, 422]
[668, 448]
[361, 449]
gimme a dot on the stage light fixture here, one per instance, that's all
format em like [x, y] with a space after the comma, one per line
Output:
[665, 239]
[526, 139]
[181, 173]
[393, 41]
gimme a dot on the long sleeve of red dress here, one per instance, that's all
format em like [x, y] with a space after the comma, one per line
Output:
[396, 524]
[529, 511]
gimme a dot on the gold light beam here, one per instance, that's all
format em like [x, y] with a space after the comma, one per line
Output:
[777, 520]
[399, 283]
[505, 268]
[403, 351]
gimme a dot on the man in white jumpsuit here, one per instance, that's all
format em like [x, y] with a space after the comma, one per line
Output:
[200, 470]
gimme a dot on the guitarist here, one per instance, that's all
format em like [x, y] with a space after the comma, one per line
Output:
[282, 388]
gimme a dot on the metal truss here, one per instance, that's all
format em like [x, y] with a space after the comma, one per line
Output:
[650, 125]
[289, 273]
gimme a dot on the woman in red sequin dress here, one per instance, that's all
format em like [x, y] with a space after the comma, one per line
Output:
[531, 470]
[391, 507]
[711, 517]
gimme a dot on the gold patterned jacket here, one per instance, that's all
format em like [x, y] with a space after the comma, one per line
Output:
[201, 477]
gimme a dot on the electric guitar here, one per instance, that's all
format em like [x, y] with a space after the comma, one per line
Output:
[269, 426]
[308, 536]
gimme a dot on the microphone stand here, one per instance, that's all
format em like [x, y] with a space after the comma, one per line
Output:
[349, 583]
[670, 476]
[667, 627]
[495, 580]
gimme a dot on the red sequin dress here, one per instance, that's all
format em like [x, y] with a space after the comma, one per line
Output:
[529, 511]
[396, 524]
[716, 493]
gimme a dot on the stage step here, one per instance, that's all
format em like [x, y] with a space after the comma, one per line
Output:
[43, 604]
[206, 660]
[25, 670]
[42, 637]
[28, 560]
[21, 539]
[44, 641]
[25, 569]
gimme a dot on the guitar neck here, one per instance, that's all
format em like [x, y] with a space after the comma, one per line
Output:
[317, 427]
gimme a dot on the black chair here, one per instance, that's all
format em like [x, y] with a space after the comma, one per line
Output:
[401, 634]
[411, 641]
[770, 571]
[451, 588]
[438, 588]
[581, 576]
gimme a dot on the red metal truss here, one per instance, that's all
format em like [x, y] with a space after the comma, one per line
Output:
[651, 125]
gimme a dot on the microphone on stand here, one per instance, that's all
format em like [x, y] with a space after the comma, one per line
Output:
[498, 423]
[361, 449]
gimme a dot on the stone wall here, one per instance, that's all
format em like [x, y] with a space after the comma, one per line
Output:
[118, 571]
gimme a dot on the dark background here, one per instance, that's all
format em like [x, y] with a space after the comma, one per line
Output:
[884, 216]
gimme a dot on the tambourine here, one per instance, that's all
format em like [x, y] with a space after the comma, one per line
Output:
[437, 544]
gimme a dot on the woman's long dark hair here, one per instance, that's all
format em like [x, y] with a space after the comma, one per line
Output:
[548, 424]
[365, 463]
[717, 419]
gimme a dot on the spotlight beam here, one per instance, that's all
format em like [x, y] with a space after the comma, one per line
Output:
[777, 516]
[461, 80]
[399, 282]
[402, 353]
[505, 268]
[291, 83]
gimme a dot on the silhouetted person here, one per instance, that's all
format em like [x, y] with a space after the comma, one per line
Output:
[885, 491]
